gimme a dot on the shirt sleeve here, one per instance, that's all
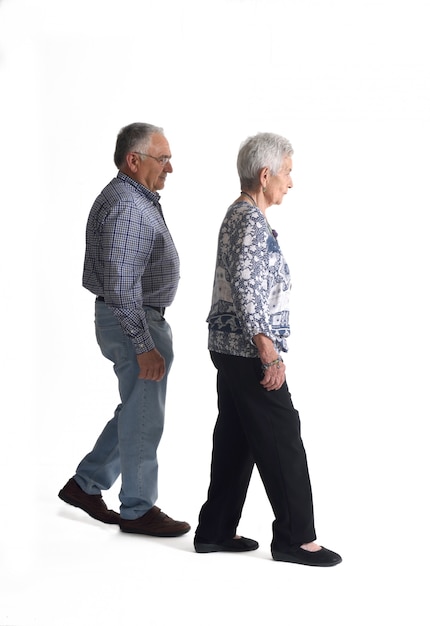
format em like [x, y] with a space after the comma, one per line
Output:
[247, 258]
[127, 243]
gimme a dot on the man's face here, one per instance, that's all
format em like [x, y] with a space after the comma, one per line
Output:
[151, 172]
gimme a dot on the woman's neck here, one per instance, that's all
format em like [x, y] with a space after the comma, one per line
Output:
[256, 198]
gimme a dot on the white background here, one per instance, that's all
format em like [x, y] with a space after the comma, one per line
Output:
[348, 83]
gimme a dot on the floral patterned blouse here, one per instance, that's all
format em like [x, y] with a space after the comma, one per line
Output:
[251, 286]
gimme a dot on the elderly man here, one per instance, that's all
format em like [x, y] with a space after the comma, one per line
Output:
[132, 267]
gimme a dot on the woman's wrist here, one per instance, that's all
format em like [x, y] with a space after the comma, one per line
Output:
[275, 363]
[266, 349]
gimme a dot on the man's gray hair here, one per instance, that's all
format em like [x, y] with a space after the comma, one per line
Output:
[255, 153]
[132, 137]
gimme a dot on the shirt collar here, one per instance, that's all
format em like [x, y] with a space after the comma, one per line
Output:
[151, 195]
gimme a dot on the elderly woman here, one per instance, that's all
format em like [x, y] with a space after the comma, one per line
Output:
[248, 330]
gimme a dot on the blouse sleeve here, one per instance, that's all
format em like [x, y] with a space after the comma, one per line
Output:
[247, 258]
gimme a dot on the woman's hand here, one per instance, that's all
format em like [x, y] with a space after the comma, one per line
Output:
[274, 376]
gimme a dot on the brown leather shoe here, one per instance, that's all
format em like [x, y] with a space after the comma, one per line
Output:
[93, 505]
[155, 523]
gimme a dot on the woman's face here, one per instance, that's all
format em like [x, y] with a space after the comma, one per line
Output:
[279, 184]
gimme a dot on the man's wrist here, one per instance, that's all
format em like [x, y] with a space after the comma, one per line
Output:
[143, 347]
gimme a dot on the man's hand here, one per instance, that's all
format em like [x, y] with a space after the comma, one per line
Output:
[151, 365]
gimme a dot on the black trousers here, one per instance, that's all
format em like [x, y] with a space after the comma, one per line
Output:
[260, 427]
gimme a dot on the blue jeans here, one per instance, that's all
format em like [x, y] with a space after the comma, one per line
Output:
[128, 444]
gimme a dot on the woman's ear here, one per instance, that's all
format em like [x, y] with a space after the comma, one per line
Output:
[264, 178]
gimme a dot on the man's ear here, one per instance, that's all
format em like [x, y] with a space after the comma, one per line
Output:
[132, 161]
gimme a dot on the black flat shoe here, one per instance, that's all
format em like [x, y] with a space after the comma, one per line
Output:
[320, 558]
[241, 544]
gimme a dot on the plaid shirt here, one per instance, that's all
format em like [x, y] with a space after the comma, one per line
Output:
[130, 256]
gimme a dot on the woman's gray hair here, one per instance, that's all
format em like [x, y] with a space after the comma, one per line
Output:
[131, 137]
[255, 153]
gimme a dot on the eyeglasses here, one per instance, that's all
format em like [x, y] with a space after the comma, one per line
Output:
[162, 160]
